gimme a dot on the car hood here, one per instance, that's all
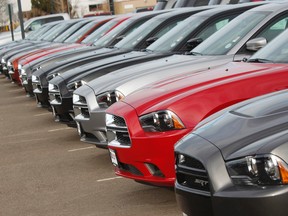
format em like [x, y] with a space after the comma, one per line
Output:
[255, 126]
[134, 77]
[164, 94]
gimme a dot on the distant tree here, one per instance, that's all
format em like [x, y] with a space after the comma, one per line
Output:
[3, 8]
[43, 5]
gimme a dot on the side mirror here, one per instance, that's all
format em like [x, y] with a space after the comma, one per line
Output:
[28, 29]
[192, 43]
[151, 40]
[256, 44]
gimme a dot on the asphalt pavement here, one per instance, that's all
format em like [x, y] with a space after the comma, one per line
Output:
[45, 169]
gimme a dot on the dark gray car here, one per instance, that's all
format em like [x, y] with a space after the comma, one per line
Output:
[235, 162]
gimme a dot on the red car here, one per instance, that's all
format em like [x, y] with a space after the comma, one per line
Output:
[143, 128]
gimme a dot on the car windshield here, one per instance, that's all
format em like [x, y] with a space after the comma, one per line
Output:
[62, 37]
[223, 41]
[54, 30]
[136, 36]
[58, 30]
[79, 33]
[112, 34]
[100, 32]
[276, 51]
[172, 38]
[36, 34]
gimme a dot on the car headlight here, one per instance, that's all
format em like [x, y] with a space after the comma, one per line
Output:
[77, 99]
[258, 170]
[9, 64]
[52, 87]
[35, 78]
[19, 67]
[164, 120]
[22, 71]
[74, 85]
[3, 61]
[108, 98]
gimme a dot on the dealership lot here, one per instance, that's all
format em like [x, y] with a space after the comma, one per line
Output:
[46, 170]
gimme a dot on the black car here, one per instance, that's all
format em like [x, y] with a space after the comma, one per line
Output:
[235, 162]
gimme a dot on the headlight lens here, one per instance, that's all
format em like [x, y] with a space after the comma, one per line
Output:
[77, 99]
[3, 61]
[19, 66]
[77, 84]
[35, 78]
[108, 98]
[161, 121]
[52, 87]
[258, 170]
[9, 64]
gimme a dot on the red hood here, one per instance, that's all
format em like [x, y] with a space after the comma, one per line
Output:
[43, 52]
[173, 93]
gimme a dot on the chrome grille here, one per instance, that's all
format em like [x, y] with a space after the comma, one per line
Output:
[117, 131]
[80, 107]
[191, 173]
[37, 88]
[54, 95]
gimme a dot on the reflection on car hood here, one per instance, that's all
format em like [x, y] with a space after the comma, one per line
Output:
[161, 95]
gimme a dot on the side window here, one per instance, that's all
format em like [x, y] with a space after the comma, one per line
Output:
[52, 19]
[215, 26]
[274, 29]
[35, 25]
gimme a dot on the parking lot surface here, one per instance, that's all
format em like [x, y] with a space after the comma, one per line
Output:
[46, 170]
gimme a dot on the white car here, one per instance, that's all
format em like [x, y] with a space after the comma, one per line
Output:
[32, 25]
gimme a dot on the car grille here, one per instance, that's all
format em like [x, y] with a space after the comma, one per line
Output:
[80, 107]
[55, 96]
[192, 174]
[37, 85]
[117, 131]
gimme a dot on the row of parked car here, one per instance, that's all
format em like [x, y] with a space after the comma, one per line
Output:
[137, 84]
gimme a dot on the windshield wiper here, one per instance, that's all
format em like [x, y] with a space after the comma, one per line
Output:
[260, 60]
[146, 50]
[193, 53]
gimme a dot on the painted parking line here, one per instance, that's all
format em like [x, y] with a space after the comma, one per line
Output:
[109, 179]
[24, 141]
[60, 129]
[42, 114]
[80, 149]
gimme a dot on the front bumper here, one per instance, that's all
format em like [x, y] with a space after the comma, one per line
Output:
[90, 117]
[204, 188]
[63, 111]
[149, 158]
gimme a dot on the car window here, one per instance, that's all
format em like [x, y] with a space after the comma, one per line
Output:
[215, 26]
[223, 41]
[35, 25]
[274, 28]
[52, 19]
[276, 51]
